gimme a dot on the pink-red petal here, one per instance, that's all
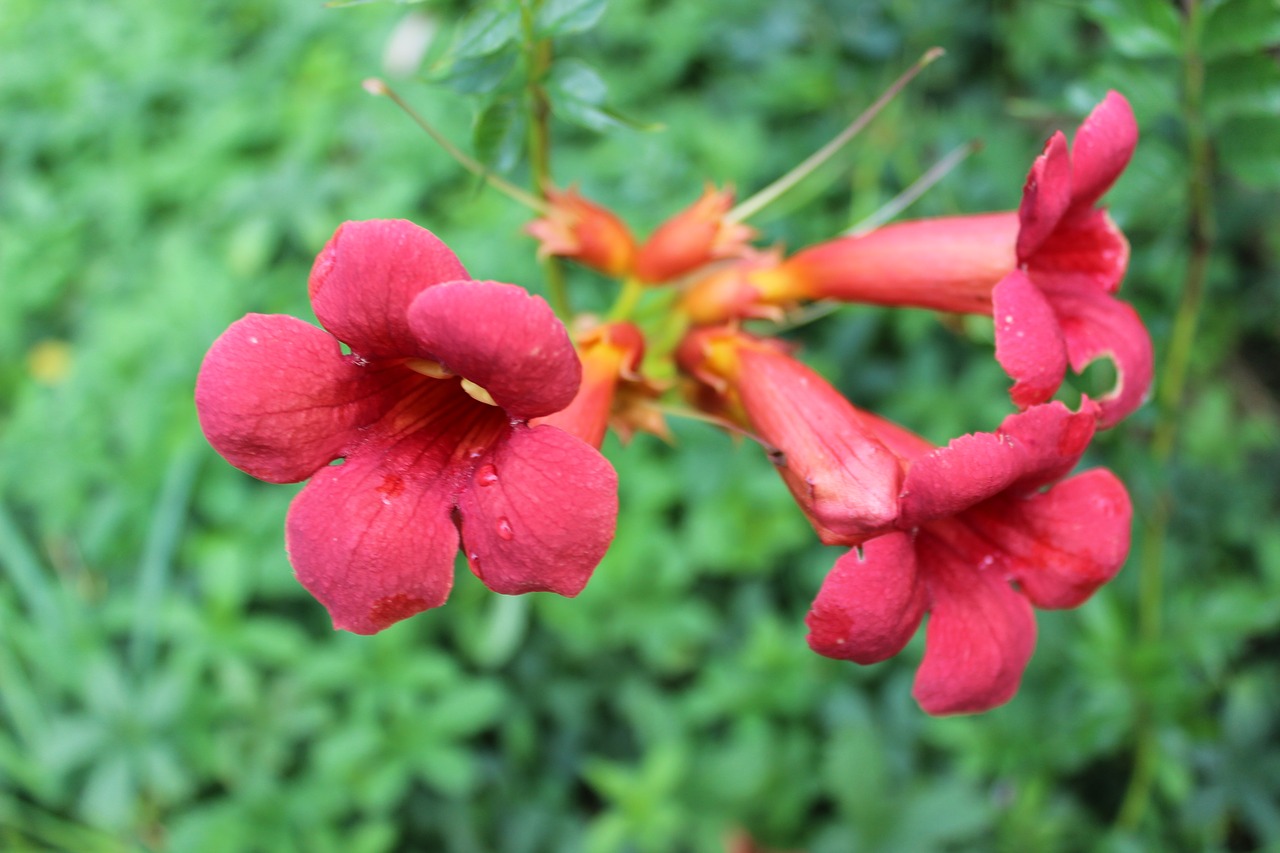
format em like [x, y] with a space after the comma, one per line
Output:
[1085, 252]
[1097, 325]
[1101, 149]
[538, 513]
[367, 274]
[503, 339]
[373, 539]
[947, 264]
[980, 634]
[1045, 196]
[844, 479]
[1029, 449]
[1061, 545]
[278, 399]
[1029, 344]
[870, 606]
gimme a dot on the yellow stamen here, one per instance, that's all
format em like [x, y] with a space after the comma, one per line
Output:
[434, 369]
[477, 392]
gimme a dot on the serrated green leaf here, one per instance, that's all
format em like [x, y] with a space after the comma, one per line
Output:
[476, 75]
[1249, 148]
[485, 31]
[498, 135]
[577, 93]
[583, 115]
[1240, 26]
[1139, 28]
[563, 17]
[576, 80]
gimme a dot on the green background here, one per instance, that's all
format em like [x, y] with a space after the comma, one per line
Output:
[166, 685]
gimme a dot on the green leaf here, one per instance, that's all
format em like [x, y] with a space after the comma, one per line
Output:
[1139, 28]
[1240, 26]
[562, 17]
[485, 31]
[476, 74]
[574, 79]
[342, 4]
[109, 791]
[577, 93]
[1242, 85]
[1249, 148]
[498, 135]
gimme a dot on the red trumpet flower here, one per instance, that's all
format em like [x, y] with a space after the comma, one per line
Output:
[988, 529]
[429, 414]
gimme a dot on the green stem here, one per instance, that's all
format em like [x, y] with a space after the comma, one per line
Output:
[537, 58]
[771, 193]
[1172, 390]
[628, 299]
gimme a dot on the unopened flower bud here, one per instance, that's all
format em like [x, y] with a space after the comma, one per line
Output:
[585, 232]
[695, 236]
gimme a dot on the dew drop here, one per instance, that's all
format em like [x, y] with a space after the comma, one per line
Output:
[487, 475]
[475, 453]
[504, 530]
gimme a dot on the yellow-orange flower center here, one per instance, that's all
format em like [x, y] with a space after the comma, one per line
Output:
[436, 370]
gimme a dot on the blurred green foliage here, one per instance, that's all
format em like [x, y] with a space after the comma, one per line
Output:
[166, 685]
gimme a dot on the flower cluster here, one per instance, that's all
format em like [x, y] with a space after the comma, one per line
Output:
[465, 414]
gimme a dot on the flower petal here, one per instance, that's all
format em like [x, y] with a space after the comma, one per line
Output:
[844, 479]
[503, 339]
[366, 276]
[1095, 325]
[539, 513]
[1029, 449]
[980, 635]
[870, 606]
[1085, 252]
[278, 399]
[373, 539]
[947, 264]
[1063, 544]
[1101, 149]
[1045, 196]
[1029, 344]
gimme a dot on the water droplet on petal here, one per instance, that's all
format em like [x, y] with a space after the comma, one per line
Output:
[487, 475]
[504, 530]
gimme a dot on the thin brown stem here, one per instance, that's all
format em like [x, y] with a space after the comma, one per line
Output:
[771, 193]
[374, 86]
